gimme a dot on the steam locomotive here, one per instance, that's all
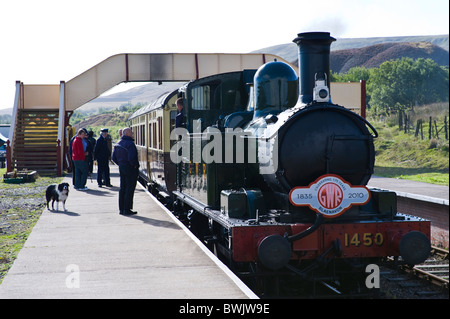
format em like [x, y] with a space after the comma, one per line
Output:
[272, 175]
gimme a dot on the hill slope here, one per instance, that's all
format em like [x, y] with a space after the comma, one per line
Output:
[102, 120]
[355, 43]
[143, 94]
[372, 56]
[347, 53]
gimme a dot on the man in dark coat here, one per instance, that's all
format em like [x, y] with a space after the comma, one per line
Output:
[91, 147]
[125, 155]
[179, 119]
[102, 154]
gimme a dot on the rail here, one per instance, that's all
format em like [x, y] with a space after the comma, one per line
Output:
[435, 270]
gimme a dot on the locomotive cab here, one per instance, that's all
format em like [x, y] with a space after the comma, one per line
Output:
[208, 101]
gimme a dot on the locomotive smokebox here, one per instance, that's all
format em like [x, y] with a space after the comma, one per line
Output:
[314, 64]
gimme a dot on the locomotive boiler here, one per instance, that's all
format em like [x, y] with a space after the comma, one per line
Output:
[275, 177]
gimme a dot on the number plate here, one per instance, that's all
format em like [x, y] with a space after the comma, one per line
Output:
[363, 239]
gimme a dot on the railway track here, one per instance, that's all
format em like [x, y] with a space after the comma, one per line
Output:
[435, 270]
[428, 280]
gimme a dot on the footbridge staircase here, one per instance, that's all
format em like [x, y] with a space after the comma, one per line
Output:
[35, 146]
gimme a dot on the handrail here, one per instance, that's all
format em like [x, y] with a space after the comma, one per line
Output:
[61, 128]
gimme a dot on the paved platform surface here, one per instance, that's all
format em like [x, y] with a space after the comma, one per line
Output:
[90, 251]
[405, 187]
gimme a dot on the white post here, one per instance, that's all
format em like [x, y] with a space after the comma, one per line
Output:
[61, 122]
[12, 128]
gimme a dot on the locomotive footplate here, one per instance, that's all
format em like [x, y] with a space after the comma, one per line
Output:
[407, 236]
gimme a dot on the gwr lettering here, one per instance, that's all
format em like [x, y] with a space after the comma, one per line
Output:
[330, 196]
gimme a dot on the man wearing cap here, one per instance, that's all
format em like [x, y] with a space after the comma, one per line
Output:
[102, 154]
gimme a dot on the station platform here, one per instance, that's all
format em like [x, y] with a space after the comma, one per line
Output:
[90, 251]
[412, 189]
[423, 200]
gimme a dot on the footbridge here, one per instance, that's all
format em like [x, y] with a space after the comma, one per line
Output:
[41, 113]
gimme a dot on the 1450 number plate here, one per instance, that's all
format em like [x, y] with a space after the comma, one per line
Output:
[363, 239]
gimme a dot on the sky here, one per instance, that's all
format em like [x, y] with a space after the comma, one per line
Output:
[48, 41]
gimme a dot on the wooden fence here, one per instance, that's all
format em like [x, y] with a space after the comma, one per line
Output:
[435, 129]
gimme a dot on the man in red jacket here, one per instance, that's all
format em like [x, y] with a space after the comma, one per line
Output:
[78, 156]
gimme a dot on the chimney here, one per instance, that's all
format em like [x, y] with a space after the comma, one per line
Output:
[314, 65]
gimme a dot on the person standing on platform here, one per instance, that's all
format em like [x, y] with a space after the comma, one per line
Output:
[72, 164]
[125, 155]
[79, 159]
[91, 146]
[102, 154]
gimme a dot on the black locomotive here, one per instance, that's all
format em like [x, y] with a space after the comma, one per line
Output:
[271, 175]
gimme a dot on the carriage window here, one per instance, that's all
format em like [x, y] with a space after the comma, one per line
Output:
[160, 133]
[137, 135]
[173, 115]
[135, 131]
[150, 135]
[142, 137]
[154, 145]
[201, 98]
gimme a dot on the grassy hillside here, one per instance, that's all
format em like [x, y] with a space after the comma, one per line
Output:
[402, 155]
[372, 56]
[113, 120]
[353, 43]
[395, 48]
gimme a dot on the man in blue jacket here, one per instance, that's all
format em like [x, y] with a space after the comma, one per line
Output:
[125, 155]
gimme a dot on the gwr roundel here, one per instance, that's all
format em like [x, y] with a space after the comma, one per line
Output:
[330, 195]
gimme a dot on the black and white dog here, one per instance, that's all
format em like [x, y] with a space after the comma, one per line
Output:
[58, 193]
